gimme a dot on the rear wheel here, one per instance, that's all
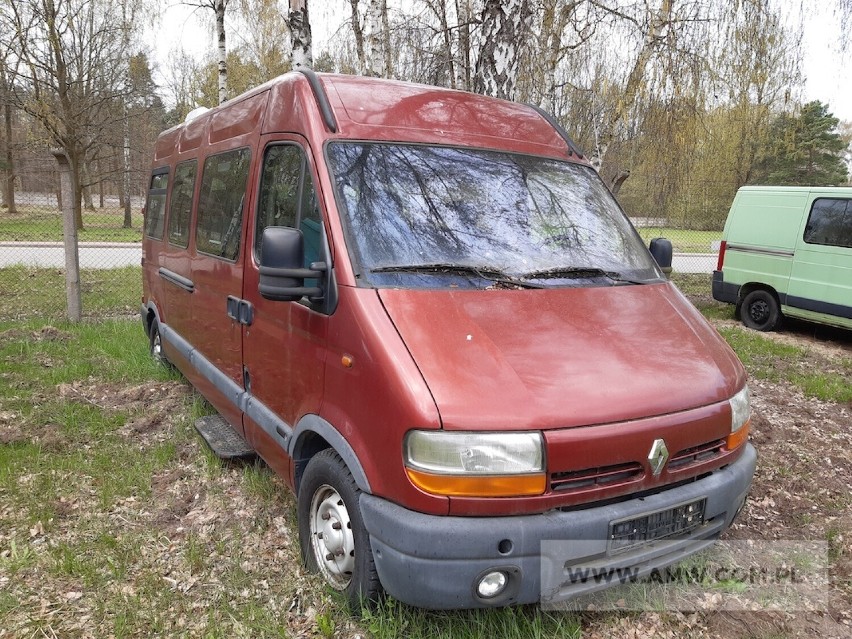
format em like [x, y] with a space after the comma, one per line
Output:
[332, 536]
[760, 311]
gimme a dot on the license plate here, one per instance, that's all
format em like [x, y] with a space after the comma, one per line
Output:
[626, 534]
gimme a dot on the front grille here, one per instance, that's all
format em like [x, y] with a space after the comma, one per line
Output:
[696, 454]
[592, 477]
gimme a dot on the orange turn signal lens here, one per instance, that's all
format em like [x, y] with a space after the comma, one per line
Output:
[478, 485]
[737, 439]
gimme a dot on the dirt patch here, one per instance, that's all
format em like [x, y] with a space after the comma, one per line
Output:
[153, 408]
[13, 430]
[44, 334]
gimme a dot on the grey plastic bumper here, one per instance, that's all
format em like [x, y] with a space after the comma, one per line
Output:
[433, 561]
[724, 291]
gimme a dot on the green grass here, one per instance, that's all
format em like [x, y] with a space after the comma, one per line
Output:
[44, 224]
[40, 292]
[768, 359]
[683, 240]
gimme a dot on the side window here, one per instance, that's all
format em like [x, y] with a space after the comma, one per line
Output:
[155, 209]
[180, 207]
[220, 204]
[830, 223]
[279, 190]
[288, 198]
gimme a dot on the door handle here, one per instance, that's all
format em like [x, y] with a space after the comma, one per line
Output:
[240, 310]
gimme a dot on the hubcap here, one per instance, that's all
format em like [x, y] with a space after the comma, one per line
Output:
[331, 537]
[759, 311]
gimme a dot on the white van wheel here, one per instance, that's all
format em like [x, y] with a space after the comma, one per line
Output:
[760, 311]
[332, 536]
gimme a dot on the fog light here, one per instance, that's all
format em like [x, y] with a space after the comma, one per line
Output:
[492, 584]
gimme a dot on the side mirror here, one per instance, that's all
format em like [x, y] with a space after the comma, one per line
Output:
[282, 275]
[661, 250]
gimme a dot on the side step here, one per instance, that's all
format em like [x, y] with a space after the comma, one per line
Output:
[222, 439]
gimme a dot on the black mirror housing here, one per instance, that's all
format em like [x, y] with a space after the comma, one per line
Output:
[662, 251]
[282, 275]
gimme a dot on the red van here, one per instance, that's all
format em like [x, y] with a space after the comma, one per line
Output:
[426, 312]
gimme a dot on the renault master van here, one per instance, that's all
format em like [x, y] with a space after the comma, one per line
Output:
[787, 251]
[426, 312]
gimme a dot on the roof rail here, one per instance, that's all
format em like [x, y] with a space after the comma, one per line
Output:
[321, 97]
[573, 148]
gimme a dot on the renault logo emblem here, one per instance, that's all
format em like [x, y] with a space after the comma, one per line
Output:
[658, 456]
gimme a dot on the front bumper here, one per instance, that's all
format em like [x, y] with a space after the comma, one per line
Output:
[434, 561]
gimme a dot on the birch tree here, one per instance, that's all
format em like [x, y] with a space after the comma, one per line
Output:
[300, 34]
[504, 28]
[218, 7]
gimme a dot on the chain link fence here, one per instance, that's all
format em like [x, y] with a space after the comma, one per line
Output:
[32, 256]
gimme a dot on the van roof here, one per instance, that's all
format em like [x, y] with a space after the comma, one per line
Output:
[847, 190]
[393, 110]
[367, 108]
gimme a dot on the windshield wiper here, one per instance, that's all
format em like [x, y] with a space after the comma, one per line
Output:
[578, 272]
[484, 272]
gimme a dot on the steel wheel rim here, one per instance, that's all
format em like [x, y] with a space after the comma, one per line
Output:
[157, 347]
[759, 311]
[332, 540]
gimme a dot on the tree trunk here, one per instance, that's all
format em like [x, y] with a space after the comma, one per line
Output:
[463, 67]
[657, 23]
[358, 32]
[9, 161]
[8, 157]
[223, 52]
[74, 171]
[386, 40]
[440, 9]
[374, 35]
[126, 173]
[86, 181]
[505, 26]
[300, 32]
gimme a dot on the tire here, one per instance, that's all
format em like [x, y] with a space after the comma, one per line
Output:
[332, 536]
[760, 311]
[155, 345]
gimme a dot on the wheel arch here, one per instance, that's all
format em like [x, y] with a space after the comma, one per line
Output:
[750, 287]
[314, 434]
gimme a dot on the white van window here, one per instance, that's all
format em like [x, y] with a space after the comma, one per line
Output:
[424, 216]
[830, 222]
[220, 204]
[156, 207]
[180, 206]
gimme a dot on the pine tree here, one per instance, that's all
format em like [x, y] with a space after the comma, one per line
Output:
[804, 150]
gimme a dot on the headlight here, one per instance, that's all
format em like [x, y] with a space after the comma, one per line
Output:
[475, 464]
[740, 418]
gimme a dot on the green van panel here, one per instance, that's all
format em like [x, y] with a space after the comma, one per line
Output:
[765, 248]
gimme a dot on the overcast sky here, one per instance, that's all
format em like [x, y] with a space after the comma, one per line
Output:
[828, 73]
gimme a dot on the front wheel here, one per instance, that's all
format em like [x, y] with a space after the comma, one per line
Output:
[155, 345]
[760, 311]
[332, 536]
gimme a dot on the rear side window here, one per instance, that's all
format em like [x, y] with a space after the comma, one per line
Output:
[180, 207]
[288, 198]
[220, 204]
[830, 223]
[156, 207]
